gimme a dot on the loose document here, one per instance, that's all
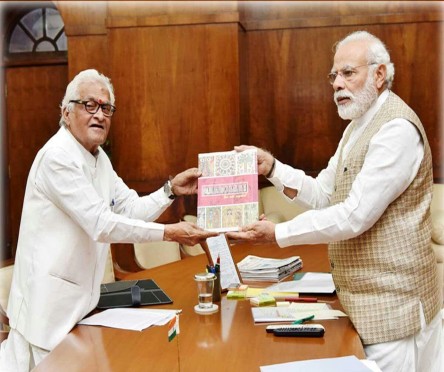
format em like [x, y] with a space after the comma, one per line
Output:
[294, 312]
[310, 282]
[130, 318]
[340, 364]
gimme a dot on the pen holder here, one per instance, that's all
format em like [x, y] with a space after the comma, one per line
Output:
[217, 290]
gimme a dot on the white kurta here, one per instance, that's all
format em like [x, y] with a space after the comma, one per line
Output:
[75, 205]
[392, 162]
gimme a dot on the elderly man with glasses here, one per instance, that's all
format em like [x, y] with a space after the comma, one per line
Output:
[75, 205]
[371, 205]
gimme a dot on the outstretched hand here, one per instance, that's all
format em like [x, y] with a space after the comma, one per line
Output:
[262, 231]
[185, 183]
[264, 158]
[186, 233]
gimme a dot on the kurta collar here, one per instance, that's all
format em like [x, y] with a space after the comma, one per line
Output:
[91, 159]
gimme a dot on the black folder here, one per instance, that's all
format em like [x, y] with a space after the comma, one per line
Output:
[128, 293]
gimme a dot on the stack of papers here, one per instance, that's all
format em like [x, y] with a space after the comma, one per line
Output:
[307, 283]
[253, 268]
[130, 318]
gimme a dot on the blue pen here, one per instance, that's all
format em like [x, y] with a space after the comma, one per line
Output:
[300, 321]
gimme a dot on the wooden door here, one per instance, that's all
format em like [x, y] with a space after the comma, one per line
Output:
[33, 96]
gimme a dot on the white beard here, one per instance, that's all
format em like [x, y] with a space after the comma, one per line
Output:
[359, 103]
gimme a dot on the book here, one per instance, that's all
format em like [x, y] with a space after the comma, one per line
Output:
[227, 196]
[254, 268]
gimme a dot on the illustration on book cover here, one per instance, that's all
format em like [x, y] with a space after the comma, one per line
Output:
[227, 190]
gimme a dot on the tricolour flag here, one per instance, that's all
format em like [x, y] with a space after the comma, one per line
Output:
[173, 327]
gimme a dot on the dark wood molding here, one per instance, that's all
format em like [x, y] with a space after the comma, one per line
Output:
[335, 21]
[172, 20]
[35, 59]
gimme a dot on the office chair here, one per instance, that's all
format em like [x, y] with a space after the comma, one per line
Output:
[153, 254]
[191, 250]
[108, 276]
[5, 287]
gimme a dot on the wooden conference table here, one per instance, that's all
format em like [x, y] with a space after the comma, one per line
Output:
[228, 340]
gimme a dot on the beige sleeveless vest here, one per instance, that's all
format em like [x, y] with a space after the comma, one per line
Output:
[382, 275]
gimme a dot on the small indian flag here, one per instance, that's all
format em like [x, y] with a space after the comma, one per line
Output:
[173, 328]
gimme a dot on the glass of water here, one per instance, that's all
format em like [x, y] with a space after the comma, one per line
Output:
[205, 284]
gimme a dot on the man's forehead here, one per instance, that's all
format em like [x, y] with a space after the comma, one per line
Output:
[353, 53]
[94, 90]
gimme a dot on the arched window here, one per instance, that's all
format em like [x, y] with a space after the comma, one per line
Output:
[40, 30]
[35, 33]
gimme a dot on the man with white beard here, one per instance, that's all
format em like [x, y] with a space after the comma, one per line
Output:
[371, 205]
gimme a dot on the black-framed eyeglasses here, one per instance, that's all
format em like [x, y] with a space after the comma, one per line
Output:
[92, 106]
[347, 73]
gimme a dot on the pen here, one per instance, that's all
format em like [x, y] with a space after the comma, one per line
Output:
[211, 269]
[300, 321]
[217, 266]
[300, 299]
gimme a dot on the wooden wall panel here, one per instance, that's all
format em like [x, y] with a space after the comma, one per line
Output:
[88, 51]
[289, 106]
[177, 95]
[87, 35]
[290, 101]
[415, 51]
[154, 9]
[278, 14]
[83, 17]
[33, 115]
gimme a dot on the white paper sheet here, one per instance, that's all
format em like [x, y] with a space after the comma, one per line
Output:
[309, 283]
[340, 364]
[295, 311]
[130, 318]
[219, 247]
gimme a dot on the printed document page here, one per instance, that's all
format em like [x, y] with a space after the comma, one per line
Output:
[218, 247]
[130, 318]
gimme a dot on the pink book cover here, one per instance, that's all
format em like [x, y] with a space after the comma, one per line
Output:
[227, 190]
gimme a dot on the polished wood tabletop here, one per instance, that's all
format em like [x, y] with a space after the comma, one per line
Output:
[225, 341]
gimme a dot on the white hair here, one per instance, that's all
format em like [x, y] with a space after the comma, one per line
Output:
[377, 52]
[72, 90]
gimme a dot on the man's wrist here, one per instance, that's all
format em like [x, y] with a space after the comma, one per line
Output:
[270, 173]
[168, 189]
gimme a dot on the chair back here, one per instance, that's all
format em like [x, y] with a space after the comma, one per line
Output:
[5, 285]
[154, 254]
[192, 250]
[108, 276]
[275, 207]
